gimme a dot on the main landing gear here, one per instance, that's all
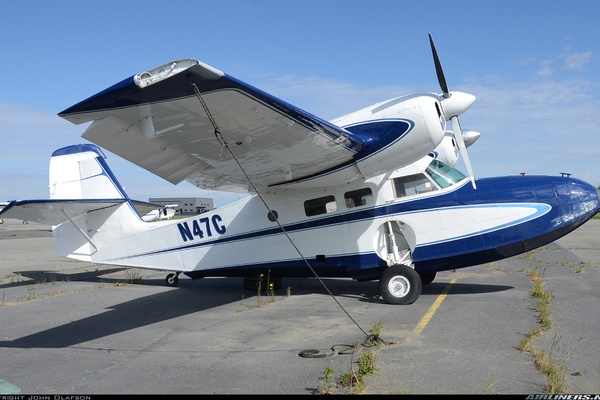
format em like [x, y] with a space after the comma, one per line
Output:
[172, 279]
[427, 277]
[400, 284]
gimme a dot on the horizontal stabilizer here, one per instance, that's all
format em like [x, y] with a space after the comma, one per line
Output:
[55, 212]
[80, 182]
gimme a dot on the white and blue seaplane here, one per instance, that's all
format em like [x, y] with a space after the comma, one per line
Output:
[372, 195]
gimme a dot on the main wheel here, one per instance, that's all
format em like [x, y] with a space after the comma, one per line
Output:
[427, 277]
[400, 284]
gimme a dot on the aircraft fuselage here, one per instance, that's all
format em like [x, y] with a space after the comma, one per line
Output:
[359, 229]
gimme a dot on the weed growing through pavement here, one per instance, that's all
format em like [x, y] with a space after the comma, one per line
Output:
[270, 287]
[133, 276]
[30, 293]
[328, 383]
[354, 377]
[550, 365]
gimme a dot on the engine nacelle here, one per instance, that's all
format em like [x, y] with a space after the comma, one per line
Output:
[397, 132]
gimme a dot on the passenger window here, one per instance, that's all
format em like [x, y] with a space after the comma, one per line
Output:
[322, 205]
[411, 185]
[357, 198]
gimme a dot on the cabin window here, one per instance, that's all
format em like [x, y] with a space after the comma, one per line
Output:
[412, 184]
[322, 205]
[443, 174]
[357, 198]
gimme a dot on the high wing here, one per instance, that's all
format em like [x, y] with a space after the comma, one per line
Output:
[186, 120]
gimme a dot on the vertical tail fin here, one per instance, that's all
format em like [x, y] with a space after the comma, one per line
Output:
[80, 172]
[94, 205]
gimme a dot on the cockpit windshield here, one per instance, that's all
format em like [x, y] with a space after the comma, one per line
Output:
[443, 174]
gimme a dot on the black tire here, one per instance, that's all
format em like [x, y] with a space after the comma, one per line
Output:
[427, 277]
[172, 280]
[400, 284]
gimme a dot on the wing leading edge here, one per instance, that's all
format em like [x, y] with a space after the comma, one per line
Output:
[161, 120]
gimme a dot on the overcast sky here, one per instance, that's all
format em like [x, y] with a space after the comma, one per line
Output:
[533, 66]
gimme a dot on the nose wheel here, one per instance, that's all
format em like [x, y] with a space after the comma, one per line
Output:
[172, 279]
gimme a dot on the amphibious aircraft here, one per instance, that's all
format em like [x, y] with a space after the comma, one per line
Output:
[372, 195]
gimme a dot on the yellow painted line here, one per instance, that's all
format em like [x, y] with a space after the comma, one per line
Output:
[429, 314]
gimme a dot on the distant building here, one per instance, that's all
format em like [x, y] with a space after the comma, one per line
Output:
[186, 205]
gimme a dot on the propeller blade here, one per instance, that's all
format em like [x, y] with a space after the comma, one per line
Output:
[462, 148]
[438, 69]
[453, 108]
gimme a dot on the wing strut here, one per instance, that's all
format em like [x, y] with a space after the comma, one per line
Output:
[89, 240]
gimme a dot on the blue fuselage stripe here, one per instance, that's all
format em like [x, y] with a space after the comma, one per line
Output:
[554, 209]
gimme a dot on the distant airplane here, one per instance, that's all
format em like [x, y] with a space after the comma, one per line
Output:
[2, 205]
[166, 212]
[372, 195]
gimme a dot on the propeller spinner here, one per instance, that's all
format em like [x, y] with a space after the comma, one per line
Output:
[454, 104]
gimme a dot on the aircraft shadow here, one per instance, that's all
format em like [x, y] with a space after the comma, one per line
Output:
[195, 296]
[132, 314]
[43, 276]
[369, 291]
[436, 288]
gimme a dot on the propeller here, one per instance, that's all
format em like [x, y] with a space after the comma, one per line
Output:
[454, 104]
